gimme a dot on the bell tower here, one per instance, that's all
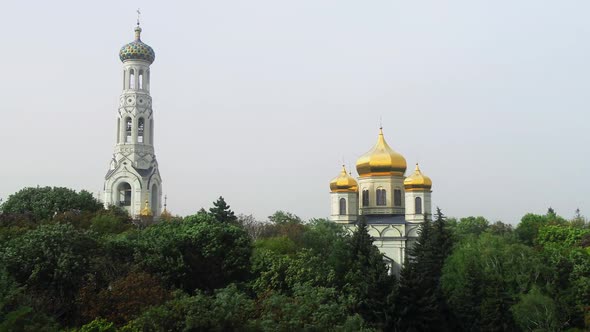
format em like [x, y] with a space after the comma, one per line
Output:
[133, 176]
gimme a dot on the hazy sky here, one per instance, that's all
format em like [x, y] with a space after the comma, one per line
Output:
[259, 101]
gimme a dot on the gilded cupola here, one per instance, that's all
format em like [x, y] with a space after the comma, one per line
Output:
[146, 211]
[417, 181]
[343, 182]
[381, 160]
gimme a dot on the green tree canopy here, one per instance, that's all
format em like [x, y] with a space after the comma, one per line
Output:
[45, 202]
[197, 253]
[221, 211]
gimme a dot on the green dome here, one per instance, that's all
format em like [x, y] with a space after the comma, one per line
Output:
[137, 50]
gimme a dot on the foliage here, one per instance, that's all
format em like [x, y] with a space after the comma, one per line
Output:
[221, 211]
[109, 224]
[228, 309]
[98, 325]
[419, 302]
[530, 224]
[50, 262]
[27, 319]
[282, 217]
[45, 202]
[181, 252]
[367, 282]
[536, 312]
[124, 299]
[484, 277]
[470, 226]
[309, 309]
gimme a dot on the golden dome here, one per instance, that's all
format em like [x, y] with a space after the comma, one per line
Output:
[146, 211]
[343, 183]
[417, 181]
[165, 215]
[381, 160]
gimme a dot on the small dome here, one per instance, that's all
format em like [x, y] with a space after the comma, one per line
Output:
[137, 50]
[343, 183]
[165, 215]
[417, 181]
[146, 211]
[381, 160]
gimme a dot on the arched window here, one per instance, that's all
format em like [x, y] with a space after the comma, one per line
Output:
[128, 127]
[418, 205]
[140, 77]
[381, 197]
[154, 199]
[366, 197]
[131, 79]
[397, 197]
[140, 130]
[124, 190]
[342, 206]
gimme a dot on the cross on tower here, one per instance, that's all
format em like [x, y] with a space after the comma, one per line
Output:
[138, 14]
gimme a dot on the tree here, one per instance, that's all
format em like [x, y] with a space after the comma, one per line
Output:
[484, 277]
[199, 252]
[367, 282]
[50, 262]
[282, 217]
[470, 226]
[45, 202]
[419, 302]
[229, 309]
[536, 312]
[221, 211]
[529, 225]
[124, 299]
[254, 227]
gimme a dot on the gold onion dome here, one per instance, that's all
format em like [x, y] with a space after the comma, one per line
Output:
[137, 50]
[165, 215]
[146, 211]
[381, 160]
[417, 181]
[343, 182]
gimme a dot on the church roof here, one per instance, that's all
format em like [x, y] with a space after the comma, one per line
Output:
[137, 50]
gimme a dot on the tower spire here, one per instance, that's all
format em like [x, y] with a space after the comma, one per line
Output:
[138, 15]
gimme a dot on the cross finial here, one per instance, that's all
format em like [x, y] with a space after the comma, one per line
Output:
[380, 122]
[165, 201]
[138, 14]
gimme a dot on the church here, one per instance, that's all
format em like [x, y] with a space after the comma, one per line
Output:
[392, 205]
[133, 180]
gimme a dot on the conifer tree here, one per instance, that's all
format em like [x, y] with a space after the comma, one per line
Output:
[367, 280]
[420, 304]
[221, 211]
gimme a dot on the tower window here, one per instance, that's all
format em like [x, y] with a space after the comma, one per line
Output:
[342, 206]
[124, 194]
[128, 126]
[418, 205]
[365, 197]
[381, 196]
[140, 76]
[140, 130]
[131, 79]
[397, 197]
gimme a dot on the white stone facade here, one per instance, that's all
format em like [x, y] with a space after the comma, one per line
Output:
[134, 176]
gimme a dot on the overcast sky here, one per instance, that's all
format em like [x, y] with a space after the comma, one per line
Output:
[260, 101]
